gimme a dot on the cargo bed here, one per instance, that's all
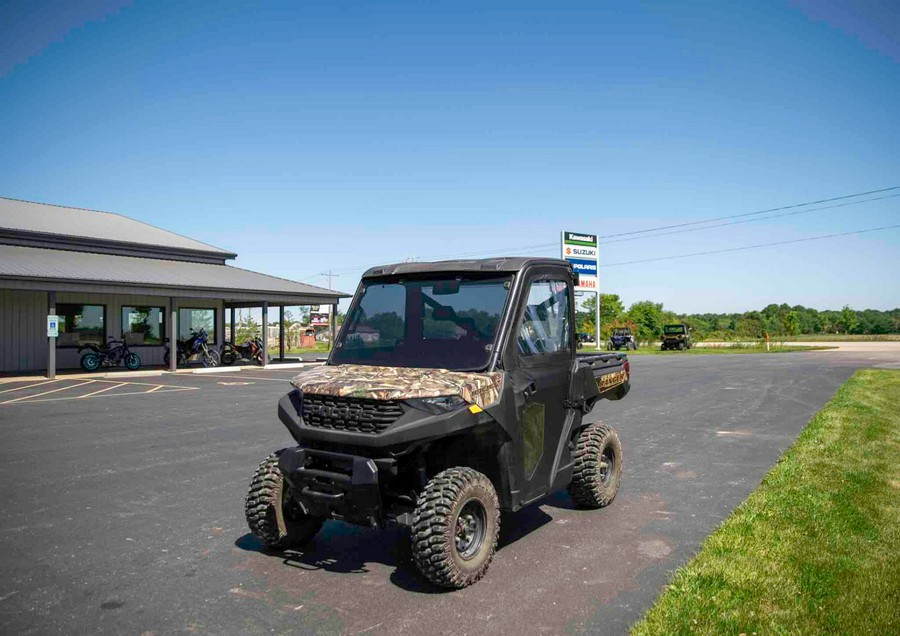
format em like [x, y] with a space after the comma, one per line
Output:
[611, 375]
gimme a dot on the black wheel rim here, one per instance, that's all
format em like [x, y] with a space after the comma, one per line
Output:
[471, 523]
[607, 465]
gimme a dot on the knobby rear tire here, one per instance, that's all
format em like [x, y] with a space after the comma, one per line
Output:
[597, 444]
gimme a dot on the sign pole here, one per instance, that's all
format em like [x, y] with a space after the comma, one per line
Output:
[52, 333]
[597, 321]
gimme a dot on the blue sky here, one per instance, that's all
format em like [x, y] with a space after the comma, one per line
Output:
[337, 135]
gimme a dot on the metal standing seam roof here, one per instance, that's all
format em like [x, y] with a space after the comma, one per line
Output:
[58, 220]
[49, 264]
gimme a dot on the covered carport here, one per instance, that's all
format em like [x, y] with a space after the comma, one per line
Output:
[35, 281]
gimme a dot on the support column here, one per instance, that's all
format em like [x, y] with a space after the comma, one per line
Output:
[265, 333]
[51, 342]
[334, 308]
[173, 335]
[232, 326]
[281, 333]
[220, 327]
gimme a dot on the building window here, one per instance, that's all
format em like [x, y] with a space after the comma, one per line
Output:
[193, 320]
[81, 324]
[143, 325]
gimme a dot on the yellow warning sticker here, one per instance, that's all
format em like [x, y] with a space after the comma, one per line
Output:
[475, 408]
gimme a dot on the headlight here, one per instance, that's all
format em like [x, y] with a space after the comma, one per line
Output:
[438, 405]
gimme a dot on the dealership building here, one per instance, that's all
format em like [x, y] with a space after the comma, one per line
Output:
[106, 276]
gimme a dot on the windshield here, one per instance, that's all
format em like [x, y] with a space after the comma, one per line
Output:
[439, 323]
[674, 329]
[621, 332]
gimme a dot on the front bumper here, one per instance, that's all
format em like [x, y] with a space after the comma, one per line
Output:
[337, 485]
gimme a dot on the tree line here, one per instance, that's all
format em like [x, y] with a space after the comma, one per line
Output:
[647, 318]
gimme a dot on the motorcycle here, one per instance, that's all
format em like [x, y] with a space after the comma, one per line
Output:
[114, 353]
[250, 350]
[197, 344]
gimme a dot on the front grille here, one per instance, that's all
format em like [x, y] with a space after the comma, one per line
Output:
[350, 414]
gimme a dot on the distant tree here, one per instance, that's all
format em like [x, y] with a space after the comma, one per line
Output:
[304, 316]
[246, 328]
[611, 310]
[750, 325]
[792, 323]
[647, 317]
[849, 321]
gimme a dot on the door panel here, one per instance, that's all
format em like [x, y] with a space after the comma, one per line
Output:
[543, 359]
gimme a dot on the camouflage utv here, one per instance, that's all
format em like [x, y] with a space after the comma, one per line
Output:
[453, 392]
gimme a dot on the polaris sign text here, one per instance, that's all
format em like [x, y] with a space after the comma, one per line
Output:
[581, 251]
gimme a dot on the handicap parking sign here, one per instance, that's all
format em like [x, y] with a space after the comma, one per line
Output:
[52, 326]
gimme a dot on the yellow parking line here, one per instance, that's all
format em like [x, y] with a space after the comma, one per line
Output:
[28, 397]
[135, 383]
[109, 388]
[211, 376]
[156, 388]
[106, 395]
[19, 388]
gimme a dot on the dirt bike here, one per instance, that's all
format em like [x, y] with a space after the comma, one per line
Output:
[250, 350]
[195, 345]
[114, 353]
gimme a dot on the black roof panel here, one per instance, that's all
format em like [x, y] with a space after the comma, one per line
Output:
[500, 264]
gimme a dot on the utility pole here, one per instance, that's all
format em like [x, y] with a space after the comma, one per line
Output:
[329, 274]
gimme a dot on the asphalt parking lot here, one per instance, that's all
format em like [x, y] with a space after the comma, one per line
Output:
[123, 508]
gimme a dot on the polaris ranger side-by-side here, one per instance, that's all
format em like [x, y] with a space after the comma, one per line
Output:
[676, 337]
[453, 392]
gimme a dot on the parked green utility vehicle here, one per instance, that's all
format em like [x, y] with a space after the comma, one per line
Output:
[676, 337]
[453, 391]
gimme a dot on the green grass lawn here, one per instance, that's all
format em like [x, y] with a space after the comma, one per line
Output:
[815, 549]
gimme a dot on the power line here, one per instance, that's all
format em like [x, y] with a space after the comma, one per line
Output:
[764, 218]
[694, 229]
[750, 247]
[735, 216]
[634, 234]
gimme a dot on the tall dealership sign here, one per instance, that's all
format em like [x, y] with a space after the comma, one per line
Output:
[581, 250]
